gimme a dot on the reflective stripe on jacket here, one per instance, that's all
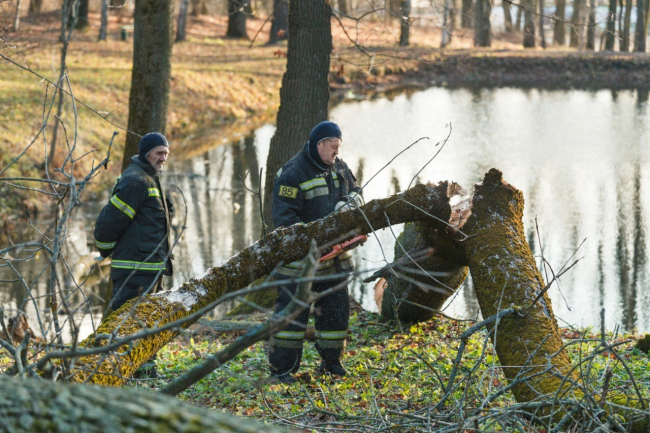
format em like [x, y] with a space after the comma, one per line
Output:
[133, 226]
[304, 192]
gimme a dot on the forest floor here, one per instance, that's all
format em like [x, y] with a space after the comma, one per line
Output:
[223, 88]
[395, 376]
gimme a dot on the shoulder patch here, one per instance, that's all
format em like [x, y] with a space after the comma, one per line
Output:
[287, 191]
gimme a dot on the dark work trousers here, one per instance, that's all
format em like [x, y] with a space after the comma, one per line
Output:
[332, 314]
[124, 290]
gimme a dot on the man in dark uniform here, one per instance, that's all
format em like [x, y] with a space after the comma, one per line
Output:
[134, 226]
[310, 186]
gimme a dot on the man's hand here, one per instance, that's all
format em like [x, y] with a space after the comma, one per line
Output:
[349, 202]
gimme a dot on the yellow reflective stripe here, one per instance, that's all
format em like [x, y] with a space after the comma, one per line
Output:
[140, 266]
[278, 174]
[290, 335]
[313, 183]
[331, 335]
[128, 210]
[289, 344]
[105, 245]
[316, 192]
[154, 192]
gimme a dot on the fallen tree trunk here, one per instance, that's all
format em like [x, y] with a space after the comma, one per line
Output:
[38, 405]
[420, 203]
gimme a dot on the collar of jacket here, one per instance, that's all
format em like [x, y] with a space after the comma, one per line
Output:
[148, 168]
[307, 155]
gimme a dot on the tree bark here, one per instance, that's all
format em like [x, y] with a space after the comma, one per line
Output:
[199, 7]
[625, 39]
[507, 16]
[38, 405]
[17, 15]
[237, 19]
[151, 75]
[286, 245]
[405, 23]
[520, 11]
[559, 36]
[35, 6]
[611, 27]
[576, 23]
[591, 28]
[482, 31]
[280, 22]
[343, 7]
[466, 20]
[448, 23]
[542, 36]
[103, 27]
[305, 88]
[529, 25]
[82, 21]
[407, 291]
[182, 20]
[641, 26]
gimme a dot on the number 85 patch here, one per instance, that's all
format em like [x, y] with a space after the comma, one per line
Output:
[287, 191]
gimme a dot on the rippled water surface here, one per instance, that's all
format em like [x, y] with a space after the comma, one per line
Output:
[580, 158]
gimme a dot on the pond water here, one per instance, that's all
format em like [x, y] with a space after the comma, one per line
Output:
[580, 158]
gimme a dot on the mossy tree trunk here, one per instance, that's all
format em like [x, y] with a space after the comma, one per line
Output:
[37, 405]
[287, 245]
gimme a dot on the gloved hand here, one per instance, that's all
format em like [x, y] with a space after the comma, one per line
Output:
[349, 202]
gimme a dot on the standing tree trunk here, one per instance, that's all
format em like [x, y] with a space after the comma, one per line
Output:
[17, 16]
[237, 19]
[576, 23]
[405, 24]
[507, 15]
[559, 36]
[103, 27]
[152, 49]
[199, 7]
[82, 21]
[182, 20]
[641, 26]
[591, 28]
[35, 6]
[625, 39]
[542, 36]
[448, 23]
[611, 26]
[520, 12]
[280, 22]
[482, 31]
[529, 24]
[466, 17]
[343, 7]
[305, 88]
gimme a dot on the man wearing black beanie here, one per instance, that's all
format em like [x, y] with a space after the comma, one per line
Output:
[310, 186]
[134, 226]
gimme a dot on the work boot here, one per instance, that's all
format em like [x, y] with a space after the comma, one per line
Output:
[332, 367]
[286, 378]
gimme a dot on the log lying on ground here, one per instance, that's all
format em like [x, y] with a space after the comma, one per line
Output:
[37, 405]
[505, 275]
[419, 203]
[409, 295]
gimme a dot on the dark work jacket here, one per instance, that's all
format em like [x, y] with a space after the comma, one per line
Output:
[133, 226]
[306, 191]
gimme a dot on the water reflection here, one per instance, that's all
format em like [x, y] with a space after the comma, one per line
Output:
[581, 159]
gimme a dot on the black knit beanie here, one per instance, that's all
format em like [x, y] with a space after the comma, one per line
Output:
[322, 131]
[150, 142]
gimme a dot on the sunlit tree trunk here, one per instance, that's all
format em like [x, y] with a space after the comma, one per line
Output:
[559, 25]
[151, 75]
[529, 24]
[448, 23]
[591, 28]
[405, 24]
[466, 20]
[280, 22]
[611, 27]
[237, 19]
[507, 15]
[17, 15]
[625, 38]
[576, 23]
[182, 20]
[305, 88]
[482, 31]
